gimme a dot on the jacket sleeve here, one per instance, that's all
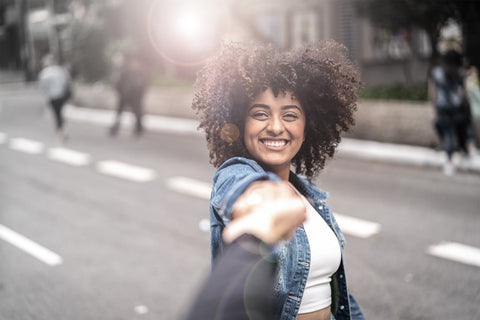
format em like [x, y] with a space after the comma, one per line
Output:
[240, 285]
[229, 182]
[355, 312]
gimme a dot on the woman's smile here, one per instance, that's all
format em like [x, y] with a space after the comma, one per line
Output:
[274, 144]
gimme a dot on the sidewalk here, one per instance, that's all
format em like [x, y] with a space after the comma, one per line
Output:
[360, 149]
[11, 77]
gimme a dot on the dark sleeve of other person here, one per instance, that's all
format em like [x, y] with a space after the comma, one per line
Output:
[240, 285]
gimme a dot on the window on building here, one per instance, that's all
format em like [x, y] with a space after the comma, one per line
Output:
[304, 28]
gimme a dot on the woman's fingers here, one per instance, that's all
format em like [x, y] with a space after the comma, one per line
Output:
[270, 211]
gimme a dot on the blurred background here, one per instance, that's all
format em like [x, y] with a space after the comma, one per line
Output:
[98, 226]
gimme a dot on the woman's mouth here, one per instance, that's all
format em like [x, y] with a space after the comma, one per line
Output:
[274, 143]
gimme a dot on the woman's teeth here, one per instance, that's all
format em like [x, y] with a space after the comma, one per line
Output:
[274, 143]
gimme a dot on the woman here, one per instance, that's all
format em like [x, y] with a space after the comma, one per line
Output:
[452, 110]
[263, 112]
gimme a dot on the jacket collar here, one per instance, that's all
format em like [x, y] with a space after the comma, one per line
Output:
[306, 187]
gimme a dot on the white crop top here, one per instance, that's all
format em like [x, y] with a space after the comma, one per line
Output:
[325, 256]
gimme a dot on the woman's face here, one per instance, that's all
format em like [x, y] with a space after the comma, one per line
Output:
[274, 130]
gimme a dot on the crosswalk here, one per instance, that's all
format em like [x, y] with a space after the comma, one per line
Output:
[352, 226]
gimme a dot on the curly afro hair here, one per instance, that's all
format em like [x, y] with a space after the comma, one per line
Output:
[320, 76]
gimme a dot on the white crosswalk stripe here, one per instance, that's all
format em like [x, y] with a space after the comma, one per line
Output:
[357, 227]
[349, 225]
[125, 171]
[68, 156]
[456, 252]
[26, 145]
[41, 253]
[190, 187]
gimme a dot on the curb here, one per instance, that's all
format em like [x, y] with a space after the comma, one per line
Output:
[359, 149]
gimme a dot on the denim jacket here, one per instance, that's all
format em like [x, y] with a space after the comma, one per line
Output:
[229, 182]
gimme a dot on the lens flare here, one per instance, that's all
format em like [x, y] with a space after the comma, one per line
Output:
[186, 32]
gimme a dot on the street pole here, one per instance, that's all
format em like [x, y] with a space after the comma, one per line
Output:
[24, 39]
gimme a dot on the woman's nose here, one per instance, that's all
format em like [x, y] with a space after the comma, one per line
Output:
[275, 125]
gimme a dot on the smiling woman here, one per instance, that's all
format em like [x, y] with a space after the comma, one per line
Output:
[266, 112]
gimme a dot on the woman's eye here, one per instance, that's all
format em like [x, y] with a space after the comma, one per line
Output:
[290, 116]
[260, 115]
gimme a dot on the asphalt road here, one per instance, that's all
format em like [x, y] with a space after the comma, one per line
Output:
[132, 249]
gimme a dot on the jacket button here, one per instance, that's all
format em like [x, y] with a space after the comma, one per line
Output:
[341, 276]
[342, 307]
[320, 207]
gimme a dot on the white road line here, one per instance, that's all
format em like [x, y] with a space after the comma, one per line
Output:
[69, 156]
[3, 137]
[349, 225]
[125, 171]
[190, 187]
[457, 252]
[357, 227]
[141, 309]
[32, 248]
[26, 145]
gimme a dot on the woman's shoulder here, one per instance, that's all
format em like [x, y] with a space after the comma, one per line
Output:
[238, 166]
[239, 170]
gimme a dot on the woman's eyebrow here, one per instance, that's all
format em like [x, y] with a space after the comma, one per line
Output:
[292, 106]
[259, 105]
[264, 106]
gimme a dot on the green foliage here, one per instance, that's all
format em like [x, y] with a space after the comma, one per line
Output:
[88, 58]
[416, 92]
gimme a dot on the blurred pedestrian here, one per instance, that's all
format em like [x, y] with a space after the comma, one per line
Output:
[473, 92]
[54, 80]
[264, 113]
[452, 110]
[130, 85]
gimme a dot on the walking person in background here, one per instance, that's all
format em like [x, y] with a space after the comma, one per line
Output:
[130, 84]
[266, 113]
[54, 80]
[473, 92]
[452, 109]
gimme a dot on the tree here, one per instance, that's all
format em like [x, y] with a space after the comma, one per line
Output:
[469, 16]
[396, 15]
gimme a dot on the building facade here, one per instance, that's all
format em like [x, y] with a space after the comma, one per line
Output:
[31, 28]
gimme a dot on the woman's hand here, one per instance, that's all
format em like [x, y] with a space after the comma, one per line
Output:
[268, 210]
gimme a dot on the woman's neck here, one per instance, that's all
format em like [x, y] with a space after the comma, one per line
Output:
[282, 172]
